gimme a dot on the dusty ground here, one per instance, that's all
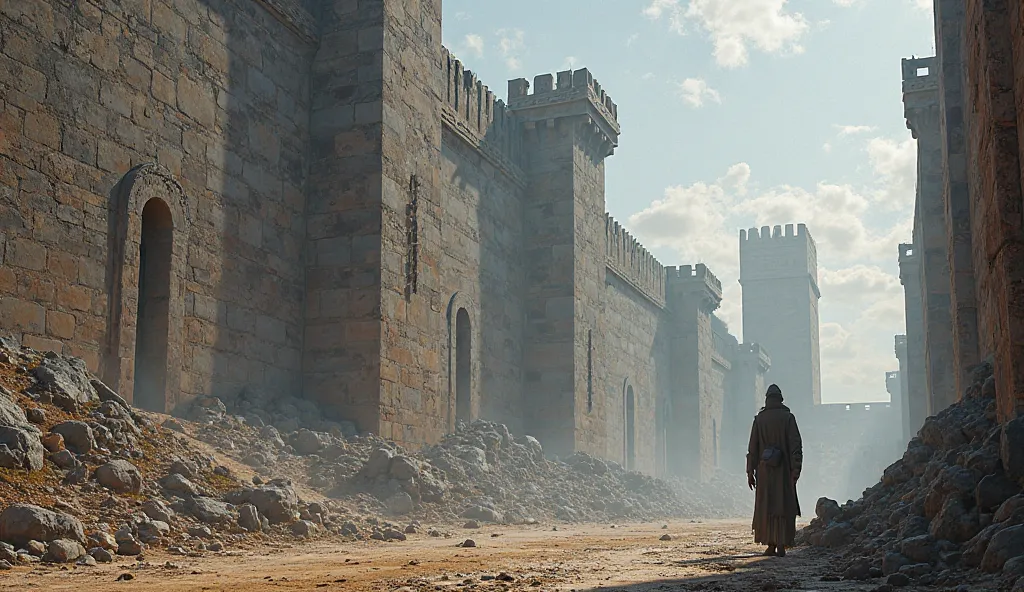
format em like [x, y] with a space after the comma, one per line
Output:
[703, 556]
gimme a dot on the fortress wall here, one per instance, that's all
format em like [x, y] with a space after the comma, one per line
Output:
[483, 264]
[631, 350]
[214, 91]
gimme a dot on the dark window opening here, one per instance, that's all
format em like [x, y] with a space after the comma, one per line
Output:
[153, 319]
[630, 429]
[463, 365]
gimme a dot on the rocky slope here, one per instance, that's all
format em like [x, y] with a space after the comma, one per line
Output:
[950, 511]
[84, 477]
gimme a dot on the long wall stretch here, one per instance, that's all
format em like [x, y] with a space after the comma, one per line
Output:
[216, 93]
[315, 199]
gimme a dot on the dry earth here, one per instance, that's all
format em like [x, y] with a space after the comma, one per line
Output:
[715, 555]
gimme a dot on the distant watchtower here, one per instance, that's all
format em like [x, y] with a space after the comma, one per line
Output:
[779, 276]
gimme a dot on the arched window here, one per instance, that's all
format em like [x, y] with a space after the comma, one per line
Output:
[153, 307]
[630, 427]
[463, 367]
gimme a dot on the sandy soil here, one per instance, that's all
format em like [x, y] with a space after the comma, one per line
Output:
[714, 555]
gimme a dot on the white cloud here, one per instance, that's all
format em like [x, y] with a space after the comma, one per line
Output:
[648, 76]
[827, 147]
[735, 25]
[845, 2]
[862, 299]
[632, 39]
[695, 91]
[570, 63]
[463, 16]
[511, 43]
[923, 5]
[852, 130]
[896, 164]
[474, 44]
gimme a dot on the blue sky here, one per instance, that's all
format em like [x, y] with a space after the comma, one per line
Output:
[740, 113]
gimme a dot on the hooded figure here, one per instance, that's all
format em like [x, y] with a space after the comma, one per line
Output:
[774, 459]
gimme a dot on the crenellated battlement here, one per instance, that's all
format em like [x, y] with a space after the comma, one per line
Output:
[686, 279]
[573, 95]
[632, 262]
[776, 233]
[570, 86]
[474, 112]
[776, 252]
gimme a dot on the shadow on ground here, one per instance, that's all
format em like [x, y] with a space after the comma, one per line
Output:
[804, 569]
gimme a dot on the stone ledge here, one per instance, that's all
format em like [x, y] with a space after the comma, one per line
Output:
[621, 274]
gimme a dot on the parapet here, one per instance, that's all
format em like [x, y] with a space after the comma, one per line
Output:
[576, 93]
[892, 384]
[754, 352]
[775, 232]
[910, 263]
[475, 113]
[628, 259]
[687, 279]
[920, 74]
[901, 348]
[778, 252]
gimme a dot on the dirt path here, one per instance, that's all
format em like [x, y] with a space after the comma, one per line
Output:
[702, 556]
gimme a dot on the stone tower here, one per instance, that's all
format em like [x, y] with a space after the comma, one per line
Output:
[779, 276]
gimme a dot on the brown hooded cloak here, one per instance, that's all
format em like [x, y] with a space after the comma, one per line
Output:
[776, 505]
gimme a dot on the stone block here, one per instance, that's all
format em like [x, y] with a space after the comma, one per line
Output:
[44, 128]
[195, 100]
[26, 255]
[22, 316]
[43, 344]
[60, 325]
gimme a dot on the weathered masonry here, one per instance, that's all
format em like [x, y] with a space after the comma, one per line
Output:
[966, 108]
[204, 196]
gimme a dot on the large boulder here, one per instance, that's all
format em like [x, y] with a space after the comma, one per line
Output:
[20, 448]
[209, 510]
[66, 380]
[120, 476]
[1005, 544]
[64, 551]
[277, 500]
[78, 436]
[1010, 507]
[11, 414]
[21, 523]
[993, 490]
[827, 510]
[1011, 449]
[955, 523]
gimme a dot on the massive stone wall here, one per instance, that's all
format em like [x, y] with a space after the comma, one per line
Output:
[632, 361]
[993, 66]
[216, 93]
[342, 211]
[484, 267]
[971, 267]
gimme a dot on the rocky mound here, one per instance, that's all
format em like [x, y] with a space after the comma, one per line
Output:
[482, 472]
[86, 478]
[949, 511]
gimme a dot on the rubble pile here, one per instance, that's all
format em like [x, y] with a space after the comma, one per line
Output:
[480, 473]
[951, 509]
[85, 478]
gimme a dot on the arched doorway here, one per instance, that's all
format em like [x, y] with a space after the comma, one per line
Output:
[463, 367]
[630, 425]
[153, 320]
